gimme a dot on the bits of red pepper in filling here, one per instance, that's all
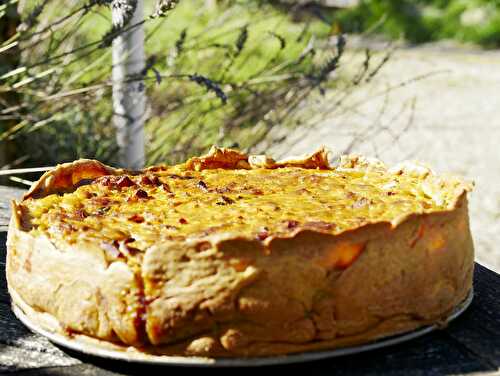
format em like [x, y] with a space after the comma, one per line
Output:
[157, 168]
[150, 180]
[145, 180]
[124, 181]
[263, 234]
[183, 221]
[136, 218]
[141, 194]
[291, 224]
[104, 201]
[256, 191]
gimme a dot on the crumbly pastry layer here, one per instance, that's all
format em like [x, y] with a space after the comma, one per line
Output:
[236, 255]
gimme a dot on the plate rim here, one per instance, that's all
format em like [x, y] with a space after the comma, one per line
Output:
[138, 357]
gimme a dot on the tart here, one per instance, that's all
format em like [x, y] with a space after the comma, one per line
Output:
[231, 255]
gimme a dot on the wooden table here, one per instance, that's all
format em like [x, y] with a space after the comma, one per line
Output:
[471, 344]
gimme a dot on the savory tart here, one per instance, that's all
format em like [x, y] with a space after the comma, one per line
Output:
[235, 255]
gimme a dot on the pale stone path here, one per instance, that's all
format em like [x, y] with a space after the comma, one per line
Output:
[455, 127]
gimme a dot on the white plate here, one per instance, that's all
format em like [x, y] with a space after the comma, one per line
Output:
[88, 346]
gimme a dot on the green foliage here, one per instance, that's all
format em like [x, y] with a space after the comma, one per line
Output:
[260, 63]
[475, 21]
[226, 74]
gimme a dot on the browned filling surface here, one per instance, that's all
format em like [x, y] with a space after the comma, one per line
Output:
[176, 203]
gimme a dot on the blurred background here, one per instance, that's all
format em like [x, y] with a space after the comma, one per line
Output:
[385, 78]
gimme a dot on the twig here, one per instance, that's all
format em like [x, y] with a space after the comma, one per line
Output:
[19, 180]
[17, 171]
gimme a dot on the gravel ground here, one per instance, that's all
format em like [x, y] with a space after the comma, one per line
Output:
[450, 120]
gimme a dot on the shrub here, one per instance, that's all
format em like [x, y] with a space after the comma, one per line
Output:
[475, 21]
[226, 75]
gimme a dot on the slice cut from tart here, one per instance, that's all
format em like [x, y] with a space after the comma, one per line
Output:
[237, 255]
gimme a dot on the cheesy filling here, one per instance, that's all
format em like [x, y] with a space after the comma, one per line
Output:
[130, 213]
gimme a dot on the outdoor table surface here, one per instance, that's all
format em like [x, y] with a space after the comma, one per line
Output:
[470, 344]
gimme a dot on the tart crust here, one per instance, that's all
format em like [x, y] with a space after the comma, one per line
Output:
[185, 298]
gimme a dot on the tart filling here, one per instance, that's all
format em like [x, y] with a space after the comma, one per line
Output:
[182, 202]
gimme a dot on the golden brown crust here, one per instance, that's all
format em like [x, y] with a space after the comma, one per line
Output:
[218, 158]
[234, 159]
[315, 160]
[227, 295]
[67, 175]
